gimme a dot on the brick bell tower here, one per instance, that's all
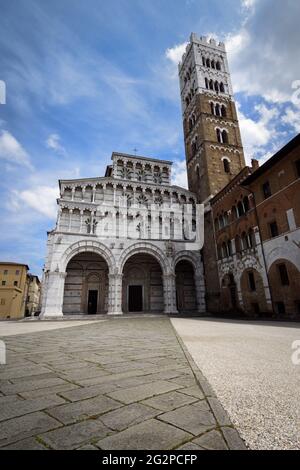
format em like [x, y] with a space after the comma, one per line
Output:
[213, 146]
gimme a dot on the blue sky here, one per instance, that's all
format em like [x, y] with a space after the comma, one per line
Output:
[85, 78]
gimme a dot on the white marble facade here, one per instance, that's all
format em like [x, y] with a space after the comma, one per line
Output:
[119, 244]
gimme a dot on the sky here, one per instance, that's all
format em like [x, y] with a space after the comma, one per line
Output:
[85, 78]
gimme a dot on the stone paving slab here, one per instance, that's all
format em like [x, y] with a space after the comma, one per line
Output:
[150, 435]
[127, 416]
[134, 394]
[195, 419]
[83, 409]
[31, 424]
[71, 437]
[169, 401]
[119, 384]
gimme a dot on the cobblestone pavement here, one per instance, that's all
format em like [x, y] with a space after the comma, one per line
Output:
[125, 383]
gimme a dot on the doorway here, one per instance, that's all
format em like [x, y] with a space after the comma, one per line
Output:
[135, 298]
[92, 302]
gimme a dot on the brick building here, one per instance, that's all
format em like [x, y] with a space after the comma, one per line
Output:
[275, 189]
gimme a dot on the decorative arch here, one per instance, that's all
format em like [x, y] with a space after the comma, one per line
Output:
[88, 246]
[144, 248]
[186, 255]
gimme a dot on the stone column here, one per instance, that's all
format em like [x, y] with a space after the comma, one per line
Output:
[169, 282]
[200, 291]
[53, 294]
[115, 294]
[70, 220]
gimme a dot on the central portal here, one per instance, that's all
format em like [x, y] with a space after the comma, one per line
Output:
[142, 285]
[92, 302]
[135, 298]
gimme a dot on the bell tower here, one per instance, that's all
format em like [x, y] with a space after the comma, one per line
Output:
[213, 146]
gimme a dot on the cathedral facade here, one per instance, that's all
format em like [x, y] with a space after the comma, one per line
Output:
[124, 243]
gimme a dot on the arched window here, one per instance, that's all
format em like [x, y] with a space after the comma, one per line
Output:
[246, 203]
[216, 224]
[240, 209]
[223, 111]
[245, 241]
[221, 221]
[217, 109]
[213, 65]
[224, 137]
[251, 237]
[190, 124]
[237, 242]
[222, 88]
[206, 83]
[225, 217]
[218, 65]
[198, 173]
[207, 63]
[217, 87]
[211, 84]
[203, 61]
[194, 146]
[219, 135]
[224, 250]
[212, 108]
[233, 213]
[226, 164]
[229, 248]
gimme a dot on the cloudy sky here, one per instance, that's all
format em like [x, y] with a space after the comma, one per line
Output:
[88, 77]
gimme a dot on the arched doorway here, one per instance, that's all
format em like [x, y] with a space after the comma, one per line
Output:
[142, 285]
[86, 285]
[185, 287]
[229, 296]
[253, 292]
[285, 284]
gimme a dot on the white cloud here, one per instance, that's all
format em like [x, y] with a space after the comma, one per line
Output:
[41, 199]
[292, 117]
[12, 151]
[174, 54]
[179, 173]
[263, 52]
[248, 4]
[256, 135]
[53, 142]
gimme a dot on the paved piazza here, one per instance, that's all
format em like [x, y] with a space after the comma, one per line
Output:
[123, 383]
[249, 366]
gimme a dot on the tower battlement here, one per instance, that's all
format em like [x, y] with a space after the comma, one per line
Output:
[216, 46]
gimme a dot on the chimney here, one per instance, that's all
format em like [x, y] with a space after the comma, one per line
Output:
[254, 164]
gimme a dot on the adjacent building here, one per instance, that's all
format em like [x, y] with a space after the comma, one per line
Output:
[33, 295]
[241, 264]
[13, 290]
[275, 189]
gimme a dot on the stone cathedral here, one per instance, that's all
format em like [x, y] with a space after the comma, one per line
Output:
[119, 245]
